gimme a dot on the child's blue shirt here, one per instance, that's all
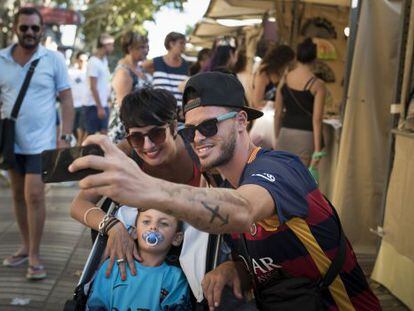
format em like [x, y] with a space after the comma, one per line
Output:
[153, 288]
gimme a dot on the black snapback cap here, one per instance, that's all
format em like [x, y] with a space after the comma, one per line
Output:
[217, 89]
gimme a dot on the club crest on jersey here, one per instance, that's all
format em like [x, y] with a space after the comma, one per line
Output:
[253, 229]
[266, 176]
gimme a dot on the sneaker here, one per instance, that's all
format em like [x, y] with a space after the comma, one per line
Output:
[36, 273]
[15, 260]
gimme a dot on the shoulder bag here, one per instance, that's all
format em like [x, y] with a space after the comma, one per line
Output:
[288, 293]
[7, 125]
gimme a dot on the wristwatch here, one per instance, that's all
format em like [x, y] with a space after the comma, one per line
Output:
[69, 138]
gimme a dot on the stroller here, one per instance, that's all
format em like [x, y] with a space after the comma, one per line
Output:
[82, 290]
[81, 293]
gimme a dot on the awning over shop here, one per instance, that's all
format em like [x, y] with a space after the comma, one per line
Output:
[210, 28]
[238, 9]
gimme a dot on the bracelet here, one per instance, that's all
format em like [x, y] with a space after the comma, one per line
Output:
[103, 223]
[318, 155]
[106, 224]
[85, 216]
[114, 221]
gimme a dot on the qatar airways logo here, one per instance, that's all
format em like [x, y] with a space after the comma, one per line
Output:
[266, 176]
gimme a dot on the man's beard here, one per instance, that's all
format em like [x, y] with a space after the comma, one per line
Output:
[227, 149]
[29, 46]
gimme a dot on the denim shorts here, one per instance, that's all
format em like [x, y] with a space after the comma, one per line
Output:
[92, 123]
[28, 164]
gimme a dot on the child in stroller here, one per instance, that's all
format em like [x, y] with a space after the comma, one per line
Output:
[157, 285]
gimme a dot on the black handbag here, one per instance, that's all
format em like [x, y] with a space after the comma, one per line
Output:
[7, 125]
[295, 293]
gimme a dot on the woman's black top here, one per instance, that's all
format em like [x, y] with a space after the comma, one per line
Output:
[298, 107]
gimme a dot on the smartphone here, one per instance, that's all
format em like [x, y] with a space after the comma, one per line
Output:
[55, 163]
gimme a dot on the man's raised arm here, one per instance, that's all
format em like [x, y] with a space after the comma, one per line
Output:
[212, 210]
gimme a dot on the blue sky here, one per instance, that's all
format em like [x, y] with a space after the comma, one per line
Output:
[167, 20]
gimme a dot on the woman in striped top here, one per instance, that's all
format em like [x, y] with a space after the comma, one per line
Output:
[171, 69]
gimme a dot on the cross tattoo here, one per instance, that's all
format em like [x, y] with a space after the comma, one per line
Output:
[215, 214]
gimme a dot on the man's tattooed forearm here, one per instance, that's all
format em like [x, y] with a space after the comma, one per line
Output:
[215, 214]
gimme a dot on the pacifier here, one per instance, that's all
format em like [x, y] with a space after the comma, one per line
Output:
[152, 238]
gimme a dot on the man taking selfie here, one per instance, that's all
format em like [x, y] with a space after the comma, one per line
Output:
[289, 231]
[35, 128]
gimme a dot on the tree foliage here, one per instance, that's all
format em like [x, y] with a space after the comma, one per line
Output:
[119, 16]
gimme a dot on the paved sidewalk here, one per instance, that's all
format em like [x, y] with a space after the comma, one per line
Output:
[65, 247]
[64, 250]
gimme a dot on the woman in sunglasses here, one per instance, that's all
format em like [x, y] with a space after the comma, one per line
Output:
[150, 120]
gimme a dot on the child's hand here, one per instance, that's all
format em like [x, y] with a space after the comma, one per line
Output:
[120, 245]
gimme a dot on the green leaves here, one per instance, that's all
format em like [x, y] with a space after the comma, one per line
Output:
[119, 16]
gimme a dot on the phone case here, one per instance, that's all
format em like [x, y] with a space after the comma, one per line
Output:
[55, 163]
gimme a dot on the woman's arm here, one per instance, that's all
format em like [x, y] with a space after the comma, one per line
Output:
[148, 66]
[278, 110]
[317, 116]
[260, 81]
[122, 85]
[119, 245]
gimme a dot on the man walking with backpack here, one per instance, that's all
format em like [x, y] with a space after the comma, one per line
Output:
[35, 127]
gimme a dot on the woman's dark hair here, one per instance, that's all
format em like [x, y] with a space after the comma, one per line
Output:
[148, 106]
[241, 63]
[306, 51]
[132, 39]
[79, 53]
[276, 59]
[202, 55]
[28, 11]
[221, 56]
[172, 37]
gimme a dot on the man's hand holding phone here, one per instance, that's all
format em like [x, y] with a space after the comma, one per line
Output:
[55, 163]
[121, 178]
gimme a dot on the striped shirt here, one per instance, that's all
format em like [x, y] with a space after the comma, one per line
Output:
[169, 78]
[302, 238]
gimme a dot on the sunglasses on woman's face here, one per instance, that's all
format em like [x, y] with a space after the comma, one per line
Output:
[157, 135]
[207, 128]
[34, 28]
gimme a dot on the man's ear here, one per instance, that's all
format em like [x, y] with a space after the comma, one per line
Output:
[178, 239]
[242, 119]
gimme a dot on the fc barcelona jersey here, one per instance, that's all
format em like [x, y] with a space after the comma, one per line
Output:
[302, 238]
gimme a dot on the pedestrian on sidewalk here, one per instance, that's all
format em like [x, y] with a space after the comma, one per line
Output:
[171, 69]
[35, 128]
[98, 76]
[79, 86]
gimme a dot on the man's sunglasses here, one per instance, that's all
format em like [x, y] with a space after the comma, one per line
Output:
[157, 135]
[207, 128]
[34, 28]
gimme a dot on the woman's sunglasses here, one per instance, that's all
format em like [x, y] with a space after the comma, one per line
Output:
[207, 128]
[34, 28]
[157, 135]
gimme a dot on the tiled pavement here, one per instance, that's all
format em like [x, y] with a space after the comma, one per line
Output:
[64, 250]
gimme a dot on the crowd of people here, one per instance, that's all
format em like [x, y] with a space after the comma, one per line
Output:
[182, 157]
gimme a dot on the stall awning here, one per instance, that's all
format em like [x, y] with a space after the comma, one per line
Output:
[210, 28]
[238, 9]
